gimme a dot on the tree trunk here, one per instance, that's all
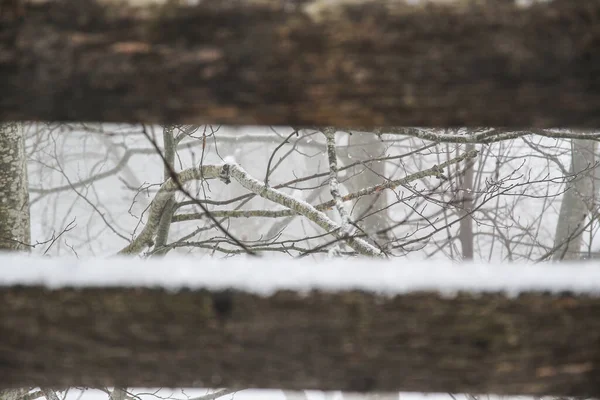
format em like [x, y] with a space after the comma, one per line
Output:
[577, 201]
[14, 204]
[164, 226]
[366, 210]
[13, 394]
[466, 222]
[14, 195]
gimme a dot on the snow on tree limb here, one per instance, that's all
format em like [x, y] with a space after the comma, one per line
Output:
[294, 206]
[346, 228]
[168, 189]
[301, 207]
[166, 193]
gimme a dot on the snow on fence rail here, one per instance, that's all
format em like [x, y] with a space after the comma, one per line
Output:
[265, 276]
[352, 325]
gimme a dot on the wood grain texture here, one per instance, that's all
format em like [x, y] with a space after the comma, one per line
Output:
[351, 63]
[354, 341]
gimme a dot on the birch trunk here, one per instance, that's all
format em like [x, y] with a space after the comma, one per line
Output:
[164, 225]
[576, 202]
[13, 394]
[369, 211]
[466, 222]
[14, 205]
[14, 196]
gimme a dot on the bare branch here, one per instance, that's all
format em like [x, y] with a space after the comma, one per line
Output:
[300, 207]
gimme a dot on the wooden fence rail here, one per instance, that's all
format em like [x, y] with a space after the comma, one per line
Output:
[302, 62]
[534, 343]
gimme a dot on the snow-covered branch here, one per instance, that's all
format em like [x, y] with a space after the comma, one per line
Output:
[165, 193]
[391, 184]
[294, 206]
[216, 394]
[436, 171]
[301, 207]
[480, 135]
[170, 187]
[346, 229]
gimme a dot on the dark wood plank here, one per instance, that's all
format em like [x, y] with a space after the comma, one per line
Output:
[367, 63]
[535, 343]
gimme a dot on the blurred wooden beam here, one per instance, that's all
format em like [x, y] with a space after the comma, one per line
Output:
[533, 344]
[302, 62]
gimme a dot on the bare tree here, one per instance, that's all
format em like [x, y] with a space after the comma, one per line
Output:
[404, 189]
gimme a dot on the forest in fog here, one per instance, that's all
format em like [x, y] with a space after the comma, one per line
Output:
[458, 194]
